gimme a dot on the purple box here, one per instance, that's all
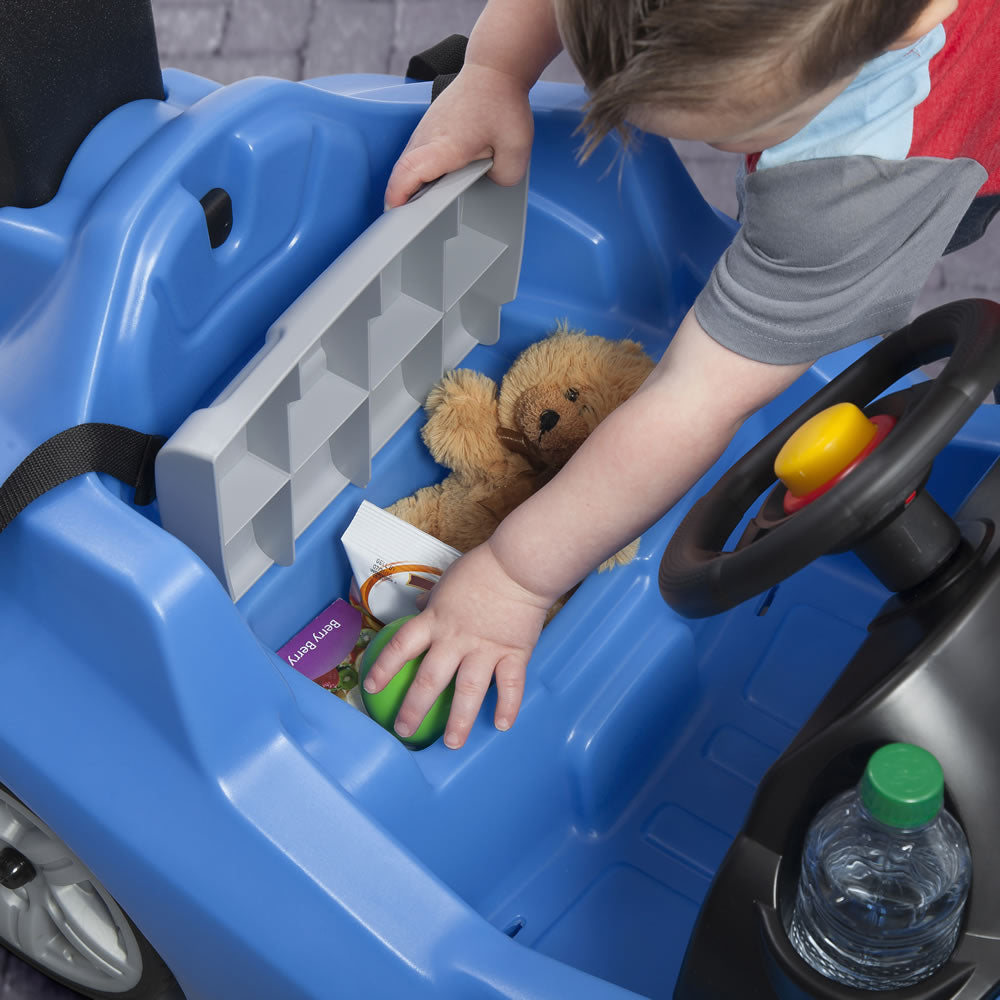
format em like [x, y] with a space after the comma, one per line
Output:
[325, 642]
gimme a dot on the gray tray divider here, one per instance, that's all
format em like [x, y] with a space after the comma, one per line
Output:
[341, 370]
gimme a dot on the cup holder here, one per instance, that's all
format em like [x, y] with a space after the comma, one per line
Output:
[794, 979]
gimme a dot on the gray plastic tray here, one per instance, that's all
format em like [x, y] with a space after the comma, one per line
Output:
[340, 371]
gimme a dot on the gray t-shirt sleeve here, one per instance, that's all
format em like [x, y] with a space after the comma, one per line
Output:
[832, 251]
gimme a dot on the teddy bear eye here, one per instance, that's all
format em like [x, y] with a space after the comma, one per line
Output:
[572, 395]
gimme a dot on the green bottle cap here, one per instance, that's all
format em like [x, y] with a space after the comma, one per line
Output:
[903, 786]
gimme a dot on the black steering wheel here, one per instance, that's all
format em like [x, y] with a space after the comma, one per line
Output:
[698, 578]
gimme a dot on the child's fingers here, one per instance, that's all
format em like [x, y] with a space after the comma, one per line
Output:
[408, 642]
[510, 690]
[436, 670]
[420, 165]
[510, 164]
[471, 683]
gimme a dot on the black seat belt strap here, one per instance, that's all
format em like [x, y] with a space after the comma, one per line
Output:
[440, 63]
[121, 452]
[444, 58]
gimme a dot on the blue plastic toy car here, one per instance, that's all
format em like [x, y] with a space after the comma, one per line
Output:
[181, 810]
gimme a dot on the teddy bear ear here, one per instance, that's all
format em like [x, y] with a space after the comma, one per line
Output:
[632, 346]
[563, 329]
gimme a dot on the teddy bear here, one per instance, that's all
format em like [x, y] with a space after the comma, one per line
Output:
[502, 443]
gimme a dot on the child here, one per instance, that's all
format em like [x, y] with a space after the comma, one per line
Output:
[872, 134]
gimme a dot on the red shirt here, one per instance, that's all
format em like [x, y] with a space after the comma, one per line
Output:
[961, 117]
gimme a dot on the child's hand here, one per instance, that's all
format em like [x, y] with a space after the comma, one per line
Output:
[480, 623]
[483, 112]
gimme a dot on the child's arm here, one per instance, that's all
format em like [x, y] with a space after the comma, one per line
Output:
[485, 614]
[485, 111]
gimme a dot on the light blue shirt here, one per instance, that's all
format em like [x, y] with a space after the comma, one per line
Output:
[873, 116]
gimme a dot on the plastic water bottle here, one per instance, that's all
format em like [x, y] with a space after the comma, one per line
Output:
[885, 874]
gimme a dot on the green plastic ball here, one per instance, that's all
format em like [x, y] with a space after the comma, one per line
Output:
[384, 705]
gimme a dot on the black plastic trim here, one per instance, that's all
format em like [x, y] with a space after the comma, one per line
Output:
[65, 65]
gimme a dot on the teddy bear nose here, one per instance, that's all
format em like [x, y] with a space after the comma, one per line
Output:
[548, 420]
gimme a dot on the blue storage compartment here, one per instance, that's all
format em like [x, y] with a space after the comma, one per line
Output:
[269, 840]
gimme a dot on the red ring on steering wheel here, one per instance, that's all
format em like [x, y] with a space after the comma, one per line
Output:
[884, 423]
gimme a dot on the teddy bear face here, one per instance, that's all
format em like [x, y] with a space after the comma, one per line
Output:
[554, 420]
[560, 388]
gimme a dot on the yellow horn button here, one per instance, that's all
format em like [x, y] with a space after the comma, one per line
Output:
[822, 447]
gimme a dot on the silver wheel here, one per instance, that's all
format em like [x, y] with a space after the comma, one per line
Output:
[55, 913]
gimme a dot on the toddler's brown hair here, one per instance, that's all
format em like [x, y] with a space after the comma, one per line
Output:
[687, 53]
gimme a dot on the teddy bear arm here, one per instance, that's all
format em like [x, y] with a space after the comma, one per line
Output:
[462, 424]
